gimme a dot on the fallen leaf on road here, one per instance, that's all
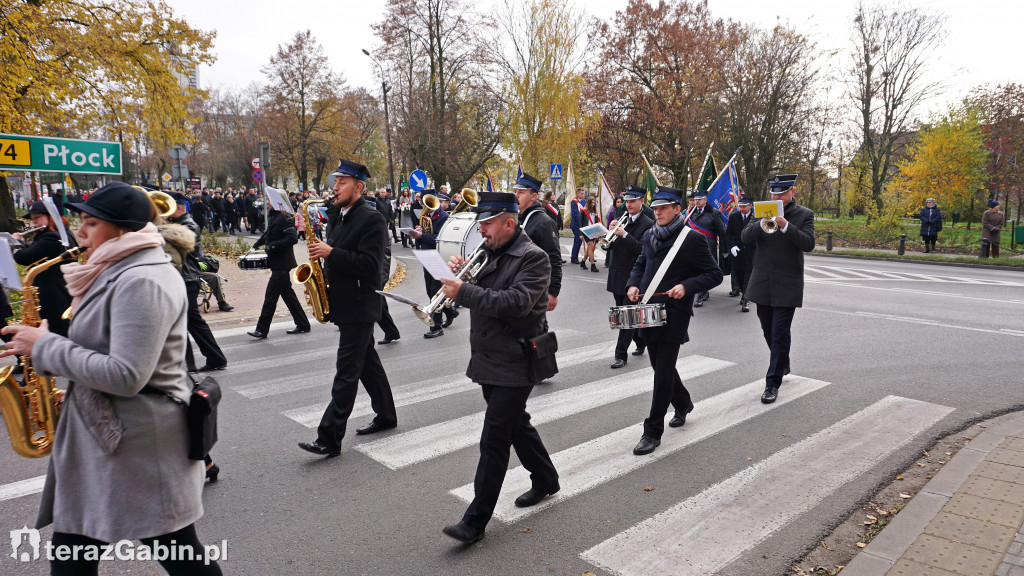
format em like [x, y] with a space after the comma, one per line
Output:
[861, 545]
[526, 530]
[905, 496]
[750, 459]
[899, 477]
[648, 488]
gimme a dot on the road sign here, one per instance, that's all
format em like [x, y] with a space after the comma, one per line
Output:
[18, 152]
[418, 180]
[179, 171]
[556, 171]
[179, 153]
[257, 175]
[166, 177]
[255, 162]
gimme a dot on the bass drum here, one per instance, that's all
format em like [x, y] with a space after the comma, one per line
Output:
[460, 235]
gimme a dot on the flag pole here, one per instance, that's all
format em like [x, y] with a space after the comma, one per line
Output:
[705, 163]
[731, 160]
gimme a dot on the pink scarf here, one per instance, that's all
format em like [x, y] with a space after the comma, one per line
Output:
[80, 277]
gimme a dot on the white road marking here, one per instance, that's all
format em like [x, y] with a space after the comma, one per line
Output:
[709, 531]
[239, 330]
[922, 321]
[911, 291]
[597, 461]
[22, 488]
[309, 416]
[428, 442]
[867, 274]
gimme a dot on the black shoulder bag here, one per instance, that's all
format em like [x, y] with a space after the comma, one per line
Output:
[200, 414]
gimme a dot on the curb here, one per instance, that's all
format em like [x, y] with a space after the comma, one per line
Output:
[893, 542]
[841, 253]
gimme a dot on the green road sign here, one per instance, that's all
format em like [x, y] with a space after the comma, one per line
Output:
[41, 154]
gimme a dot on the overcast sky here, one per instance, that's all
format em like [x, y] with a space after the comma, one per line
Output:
[983, 45]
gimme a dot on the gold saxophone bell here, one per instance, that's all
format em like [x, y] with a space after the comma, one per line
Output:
[311, 275]
[769, 225]
[469, 200]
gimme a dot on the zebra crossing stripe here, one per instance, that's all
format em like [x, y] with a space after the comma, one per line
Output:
[600, 460]
[709, 531]
[421, 444]
[309, 416]
[22, 488]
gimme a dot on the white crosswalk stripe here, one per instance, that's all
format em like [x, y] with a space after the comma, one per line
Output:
[414, 446]
[812, 272]
[22, 488]
[735, 515]
[309, 416]
[593, 463]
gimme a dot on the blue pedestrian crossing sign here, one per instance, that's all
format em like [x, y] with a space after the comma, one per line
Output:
[556, 171]
[418, 180]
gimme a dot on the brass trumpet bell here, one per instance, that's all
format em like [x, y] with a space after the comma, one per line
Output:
[769, 225]
[469, 200]
[165, 205]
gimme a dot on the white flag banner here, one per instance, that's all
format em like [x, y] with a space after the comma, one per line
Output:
[570, 193]
[605, 198]
[51, 209]
[279, 200]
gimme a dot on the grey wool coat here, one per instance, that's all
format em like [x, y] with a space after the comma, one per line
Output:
[128, 332]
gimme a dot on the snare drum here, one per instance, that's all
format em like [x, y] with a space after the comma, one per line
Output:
[637, 316]
[460, 235]
[253, 261]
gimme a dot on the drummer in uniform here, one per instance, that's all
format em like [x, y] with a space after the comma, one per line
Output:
[622, 253]
[427, 240]
[691, 271]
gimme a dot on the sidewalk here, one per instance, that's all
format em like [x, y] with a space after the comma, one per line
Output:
[968, 520]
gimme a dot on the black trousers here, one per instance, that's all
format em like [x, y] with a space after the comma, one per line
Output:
[433, 286]
[668, 387]
[506, 425]
[776, 322]
[386, 323]
[199, 330]
[741, 266]
[357, 360]
[626, 335]
[280, 286]
[187, 536]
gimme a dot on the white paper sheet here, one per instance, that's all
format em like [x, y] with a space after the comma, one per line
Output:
[51, 208]
[594, 231]
[8, 270]
[399, 298]
[433, 262]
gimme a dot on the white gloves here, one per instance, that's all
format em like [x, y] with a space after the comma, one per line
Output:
[734, 251]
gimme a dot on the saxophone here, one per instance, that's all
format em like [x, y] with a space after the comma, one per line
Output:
[311, 275]
[30, 410]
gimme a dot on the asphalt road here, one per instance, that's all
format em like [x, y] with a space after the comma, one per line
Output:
[886, 357]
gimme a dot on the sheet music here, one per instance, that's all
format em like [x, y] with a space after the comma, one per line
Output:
[594, 231]
[433, 262]
[398, 297]
[8, 270]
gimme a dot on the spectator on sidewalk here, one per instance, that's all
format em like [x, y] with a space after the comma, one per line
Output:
[992, 222]
[931, 224]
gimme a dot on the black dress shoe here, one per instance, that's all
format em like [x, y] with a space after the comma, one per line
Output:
[678, 420]
[771, 394]
[374, 426]
[574, 261]
[225, 307]
[451, 318]
[209, 368]
[297, 330]
[464, 532]
[212, 472]
[434, 333]
[258, 335]
[317, 448]
[734, 293]
[639, 351]
[619, 363]
[387, 340]
[743, 305]
[646, 445]
[697, 302]
[534, 495]
[785, 371]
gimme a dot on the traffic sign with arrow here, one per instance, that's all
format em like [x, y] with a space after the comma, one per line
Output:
[418, 180]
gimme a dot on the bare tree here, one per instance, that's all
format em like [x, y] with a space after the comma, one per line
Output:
[890, 52]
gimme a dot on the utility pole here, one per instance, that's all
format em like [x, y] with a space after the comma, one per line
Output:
[387, 120]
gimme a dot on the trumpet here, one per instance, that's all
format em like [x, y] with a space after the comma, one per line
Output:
[468, 273]
[606, 242]
[165, 204]
[769, 225]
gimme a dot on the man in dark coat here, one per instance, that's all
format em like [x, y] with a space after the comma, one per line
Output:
[542, 231]
[690, 271]
[386, 322]
[576, 208]
[353, 254]
[931, 224]
[742, 254]
[623, 253]
[217, 205]
[507, 306]
[279, 239]
[776, 282]
[708, 222]
[198, 329]
[427, 240]
[51, 288]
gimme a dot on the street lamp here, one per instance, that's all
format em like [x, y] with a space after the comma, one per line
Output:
[387, 120]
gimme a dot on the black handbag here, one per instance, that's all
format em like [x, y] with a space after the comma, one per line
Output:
[540, 356]
[202, 417]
